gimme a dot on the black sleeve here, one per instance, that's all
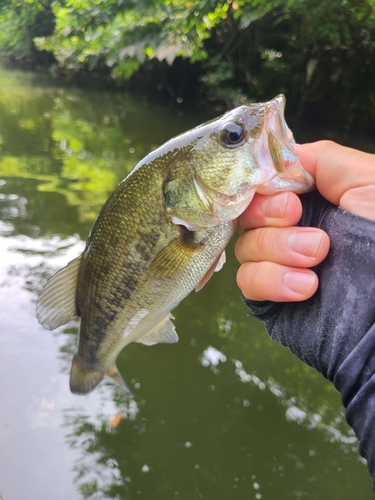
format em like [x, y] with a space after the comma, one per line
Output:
[334, 331]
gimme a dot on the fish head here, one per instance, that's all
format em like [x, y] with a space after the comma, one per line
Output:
[228, 160]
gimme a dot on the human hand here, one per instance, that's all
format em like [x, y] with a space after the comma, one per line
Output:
[331, 328]
[275, 255]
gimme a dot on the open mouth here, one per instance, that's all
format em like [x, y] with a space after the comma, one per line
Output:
[275, 155]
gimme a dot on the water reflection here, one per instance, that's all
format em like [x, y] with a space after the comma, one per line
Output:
[225, 413]
[70, 152]
[297, 409]
[97, 473]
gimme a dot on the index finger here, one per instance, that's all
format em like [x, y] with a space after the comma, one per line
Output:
[278, 210]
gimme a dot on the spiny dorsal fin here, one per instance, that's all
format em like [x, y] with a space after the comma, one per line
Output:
[174, 257]
[216, 266]
[56, 304]
[164, 333]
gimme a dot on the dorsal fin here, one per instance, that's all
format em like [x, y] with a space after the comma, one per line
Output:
[164, 332]
[56, 304]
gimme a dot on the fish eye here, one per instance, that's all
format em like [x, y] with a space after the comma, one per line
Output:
[233, 134]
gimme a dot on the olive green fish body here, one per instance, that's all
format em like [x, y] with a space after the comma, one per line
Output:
[163, 232]
[120, 295]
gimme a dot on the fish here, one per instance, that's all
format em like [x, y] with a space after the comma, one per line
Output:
[163, 232]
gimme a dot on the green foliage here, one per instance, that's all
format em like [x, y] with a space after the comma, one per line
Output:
[316, 52]
[122, 34]
[21, 21]
[313, 50]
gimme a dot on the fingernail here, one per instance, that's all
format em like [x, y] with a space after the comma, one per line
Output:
[299, 282]
[305, 242]
[274, 206]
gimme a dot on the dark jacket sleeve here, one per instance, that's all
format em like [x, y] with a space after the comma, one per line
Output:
[334, 331]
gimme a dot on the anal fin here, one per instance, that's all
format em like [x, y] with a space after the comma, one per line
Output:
[163, 332]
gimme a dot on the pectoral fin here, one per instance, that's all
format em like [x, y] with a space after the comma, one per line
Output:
[164, 332]
[175, 257]
[216, 266]
[56, 304]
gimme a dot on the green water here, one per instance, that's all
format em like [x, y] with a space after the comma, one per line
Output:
[224, 414]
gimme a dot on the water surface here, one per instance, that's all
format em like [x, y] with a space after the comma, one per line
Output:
[224, 414]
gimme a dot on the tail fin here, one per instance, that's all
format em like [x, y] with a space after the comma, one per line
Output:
[82, 379]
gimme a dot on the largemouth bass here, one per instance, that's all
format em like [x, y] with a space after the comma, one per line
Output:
[163, 232]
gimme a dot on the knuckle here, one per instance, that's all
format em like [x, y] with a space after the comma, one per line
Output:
[327, 143]
[241, 279]
[262, 242]
[249, 280]
[238, 247]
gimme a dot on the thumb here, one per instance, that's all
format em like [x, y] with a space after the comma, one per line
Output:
[344, 176]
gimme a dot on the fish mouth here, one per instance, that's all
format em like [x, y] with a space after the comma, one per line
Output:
[275, 155]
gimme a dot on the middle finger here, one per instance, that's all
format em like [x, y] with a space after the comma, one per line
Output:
[291, 246]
